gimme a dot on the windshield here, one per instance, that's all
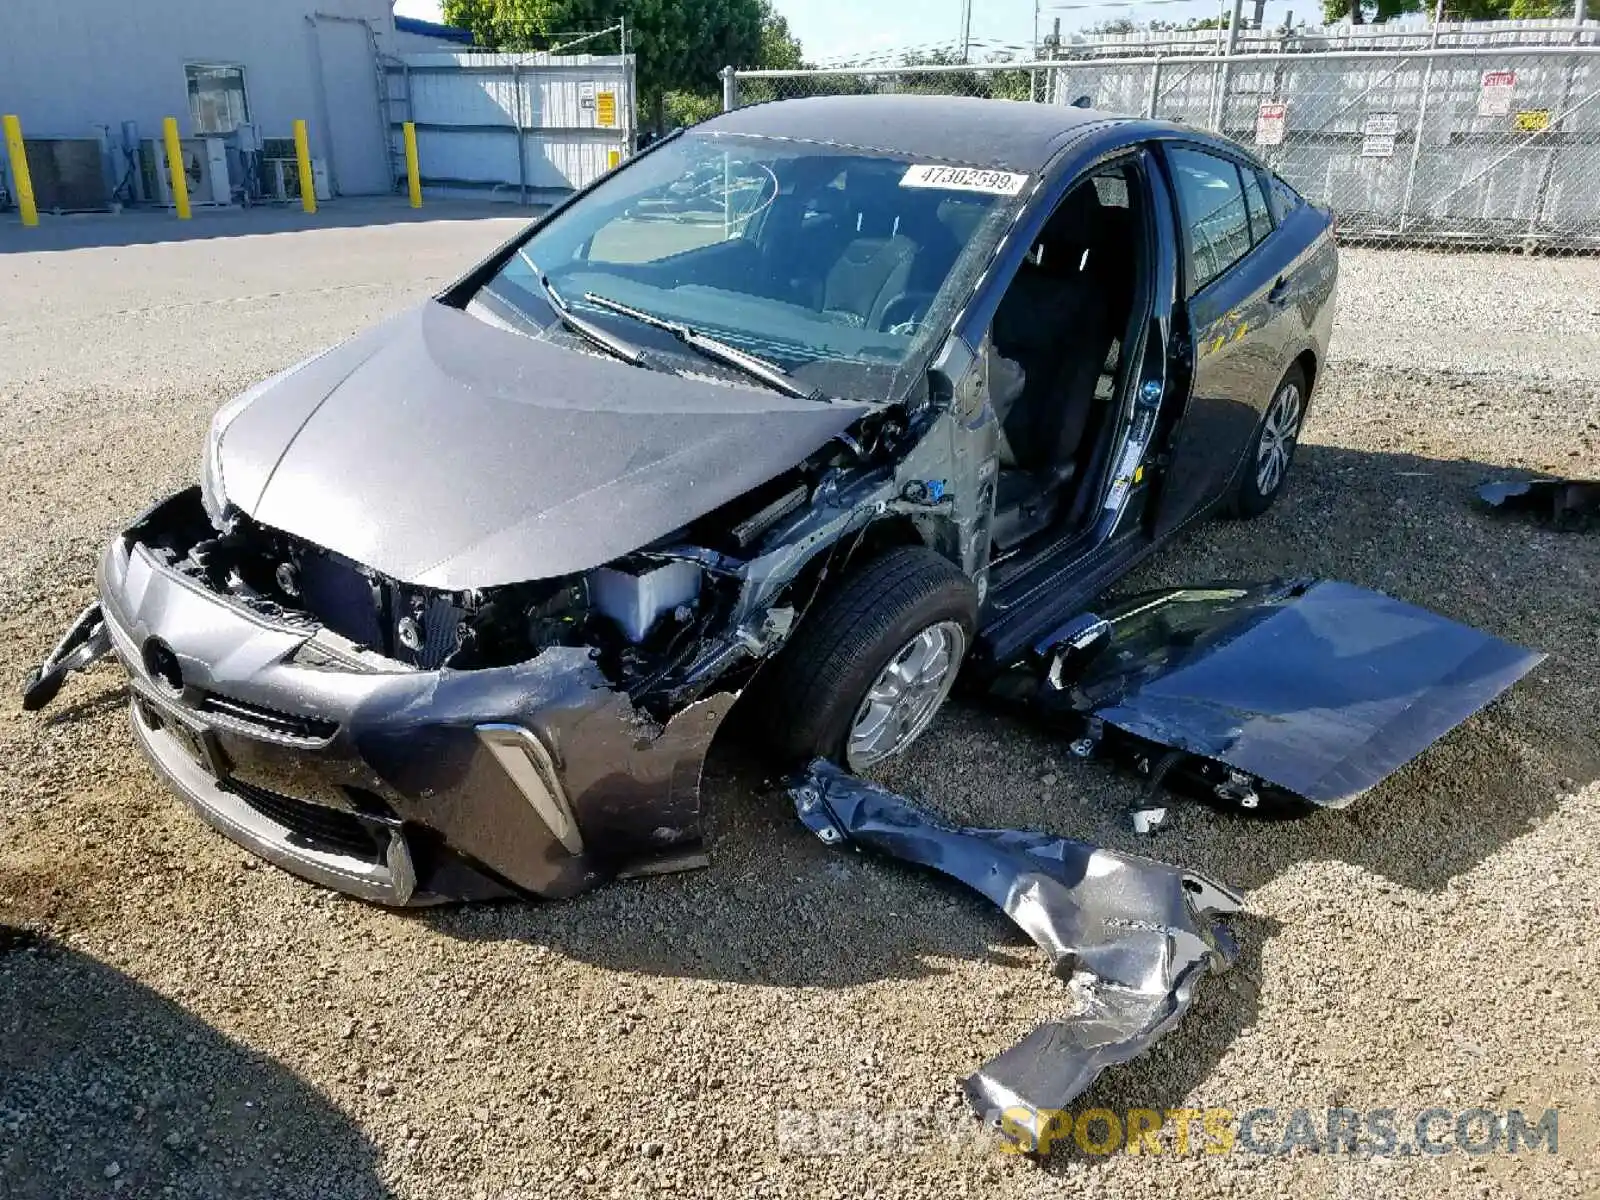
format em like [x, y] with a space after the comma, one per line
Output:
[841, 267]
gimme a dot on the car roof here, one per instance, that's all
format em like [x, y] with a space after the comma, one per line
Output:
[1014, 135]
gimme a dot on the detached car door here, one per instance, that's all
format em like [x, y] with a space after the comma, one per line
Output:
[1237, 328]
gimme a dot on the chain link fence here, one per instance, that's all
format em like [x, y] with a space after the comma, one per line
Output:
[1478, 146]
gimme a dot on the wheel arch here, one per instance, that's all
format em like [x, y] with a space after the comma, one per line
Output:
[1307, 362]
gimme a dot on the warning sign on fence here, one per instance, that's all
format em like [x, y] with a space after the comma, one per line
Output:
[1271, 119]
[1494, 97]
[1533, 120]
[606, 109]
[1378, 133]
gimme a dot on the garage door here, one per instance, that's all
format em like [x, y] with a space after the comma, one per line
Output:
[358, 147]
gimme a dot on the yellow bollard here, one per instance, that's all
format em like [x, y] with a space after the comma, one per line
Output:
[302, 156]
[20, 178]
[413, 175]
[180, 180]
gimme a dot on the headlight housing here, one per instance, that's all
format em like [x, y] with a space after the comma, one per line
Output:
[211, 493]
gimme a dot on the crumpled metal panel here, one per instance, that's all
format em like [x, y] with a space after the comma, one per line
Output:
[1320, 688]
[1133, 936]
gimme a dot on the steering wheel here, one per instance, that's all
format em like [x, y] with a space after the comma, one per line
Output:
[904, 312]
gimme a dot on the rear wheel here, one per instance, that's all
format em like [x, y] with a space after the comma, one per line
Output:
[870, 665]
[1266, 468]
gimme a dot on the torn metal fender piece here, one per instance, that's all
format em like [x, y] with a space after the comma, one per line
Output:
[1563, 501]
[1320, 688]
[1132, 935]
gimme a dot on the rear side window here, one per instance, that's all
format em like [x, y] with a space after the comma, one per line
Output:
[1211, 198]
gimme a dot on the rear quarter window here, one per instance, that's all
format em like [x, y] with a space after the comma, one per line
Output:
[1283, 198]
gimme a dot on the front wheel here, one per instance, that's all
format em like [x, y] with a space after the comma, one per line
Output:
[869, 667]
[1272, 449]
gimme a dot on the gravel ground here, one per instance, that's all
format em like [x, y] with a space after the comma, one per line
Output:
[178, 1019]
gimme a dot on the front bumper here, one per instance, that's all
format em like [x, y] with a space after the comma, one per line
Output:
[395, 785]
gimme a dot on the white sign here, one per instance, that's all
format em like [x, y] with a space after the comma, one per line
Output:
[1378, 134]
[1271, 120]
[1494, 98]
[964, 179]
[586, 92]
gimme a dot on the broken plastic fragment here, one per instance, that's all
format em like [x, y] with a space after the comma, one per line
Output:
[1131, 935]
[1565, 502]
[1147, 820]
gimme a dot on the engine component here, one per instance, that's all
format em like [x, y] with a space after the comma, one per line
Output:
[635, 600]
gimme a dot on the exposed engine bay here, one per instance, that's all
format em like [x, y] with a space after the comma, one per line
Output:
[658, 620]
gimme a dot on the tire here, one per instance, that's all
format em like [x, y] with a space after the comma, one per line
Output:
[1260, 479]
[810, 695]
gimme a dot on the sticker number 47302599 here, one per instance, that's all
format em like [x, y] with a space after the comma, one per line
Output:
[964, 179]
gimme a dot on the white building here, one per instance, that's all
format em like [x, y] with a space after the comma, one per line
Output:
[83, 68]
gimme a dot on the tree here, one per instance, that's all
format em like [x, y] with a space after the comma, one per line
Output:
[780, 49]
[680, 44]
[1360, 12]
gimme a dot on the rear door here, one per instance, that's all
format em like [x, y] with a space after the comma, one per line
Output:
[1236, 322]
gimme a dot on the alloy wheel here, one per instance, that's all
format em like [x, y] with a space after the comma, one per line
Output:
[1278, 434]
[902, 700]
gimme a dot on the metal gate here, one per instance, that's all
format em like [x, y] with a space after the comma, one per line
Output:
[525, 127]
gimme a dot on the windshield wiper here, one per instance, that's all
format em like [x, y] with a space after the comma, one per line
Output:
[771, 374]
[593, 334]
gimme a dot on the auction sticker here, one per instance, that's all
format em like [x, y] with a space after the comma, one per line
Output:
[964, 179]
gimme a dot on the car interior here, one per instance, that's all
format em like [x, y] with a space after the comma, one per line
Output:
[861, 250]
[1059, 333]
[813, 261]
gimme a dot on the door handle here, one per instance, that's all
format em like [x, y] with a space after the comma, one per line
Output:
[1280, 291]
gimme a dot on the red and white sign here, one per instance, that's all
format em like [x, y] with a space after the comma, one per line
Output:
[1271, 120]
[1494, 98]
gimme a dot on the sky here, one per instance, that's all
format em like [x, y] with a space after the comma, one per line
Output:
[837, 30]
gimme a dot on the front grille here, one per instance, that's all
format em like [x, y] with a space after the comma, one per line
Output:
[330, 830]
[267, 719]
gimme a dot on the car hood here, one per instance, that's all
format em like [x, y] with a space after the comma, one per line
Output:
[450, 453]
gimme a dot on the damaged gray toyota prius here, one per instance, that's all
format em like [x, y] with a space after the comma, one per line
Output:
[817, 402]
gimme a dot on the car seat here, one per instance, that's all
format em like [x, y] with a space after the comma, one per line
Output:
[1055, 323]
[873, 268]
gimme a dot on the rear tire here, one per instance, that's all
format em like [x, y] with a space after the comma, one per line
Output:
[1272, 446]
[903, 615]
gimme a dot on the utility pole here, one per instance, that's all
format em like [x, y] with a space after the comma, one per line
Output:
[966, 30]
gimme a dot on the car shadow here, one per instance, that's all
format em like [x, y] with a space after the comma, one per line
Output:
[112, 1088]
[142, 227]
